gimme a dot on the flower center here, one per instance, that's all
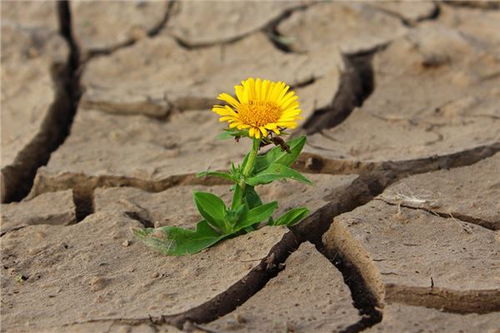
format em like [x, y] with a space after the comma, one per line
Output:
[259, 113]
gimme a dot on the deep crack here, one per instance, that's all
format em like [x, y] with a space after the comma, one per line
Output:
[357, 82]
[142, 218]
[83, 199]
[17, 178]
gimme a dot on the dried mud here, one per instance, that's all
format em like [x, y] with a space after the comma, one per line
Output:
[105, 123]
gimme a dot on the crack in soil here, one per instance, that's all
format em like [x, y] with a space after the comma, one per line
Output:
[170, 7]
[457, 301]
[363, 300]
[160, 109]
[17, 178]
[275, 36]
[366, 287]
[439, 162]
[488, 5]
[19, 227]
[268, 28]
[227, 301]
[434, 15]
[314, 163]
[163, 109]
[361, 191]
[357, 82]
[83, 199]
[359, 74]
[69, 180]
[142, 217]
[366, 187]
[83, 185]
[490, 225]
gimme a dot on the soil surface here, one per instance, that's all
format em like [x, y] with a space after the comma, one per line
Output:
[105, 122]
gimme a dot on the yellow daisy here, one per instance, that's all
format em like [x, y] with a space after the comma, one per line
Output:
[260, 106]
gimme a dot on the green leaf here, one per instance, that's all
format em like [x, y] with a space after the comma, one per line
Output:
[231, 133]
[213, 209]
[276, 155]
[174, 241]
[252, 198]
[276, 171]
[224, 175]
[224, 136]
[234, 169]
[293, 216]
[244, 162]
[235, 215]
[237, 196]
[260, 213]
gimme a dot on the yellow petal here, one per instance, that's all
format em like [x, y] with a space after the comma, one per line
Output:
[223, 111]
[249, 86]
[241, 94]
[283, 91]
[293, 110]
[230, 99]
[258, 89]
[265, 90]
[287, 124]
[288, 100]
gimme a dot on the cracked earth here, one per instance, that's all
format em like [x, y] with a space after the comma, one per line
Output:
[105, 122]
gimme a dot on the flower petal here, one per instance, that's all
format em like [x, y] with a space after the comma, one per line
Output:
[258, 89]
[249, 86]
[229, 99]
[241, 94]
[223, 111]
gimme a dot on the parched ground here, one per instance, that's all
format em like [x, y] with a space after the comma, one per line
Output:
[105, 121]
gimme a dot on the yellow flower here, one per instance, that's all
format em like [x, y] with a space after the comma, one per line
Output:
[260, 106]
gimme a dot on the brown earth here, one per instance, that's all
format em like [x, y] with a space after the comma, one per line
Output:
[105, 122]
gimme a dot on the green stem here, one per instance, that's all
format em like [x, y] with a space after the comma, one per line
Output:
[239, 192]
[251, 158]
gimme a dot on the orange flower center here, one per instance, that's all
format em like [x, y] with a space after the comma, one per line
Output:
[259, 113]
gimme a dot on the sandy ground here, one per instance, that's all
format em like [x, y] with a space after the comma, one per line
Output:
[105, 120]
